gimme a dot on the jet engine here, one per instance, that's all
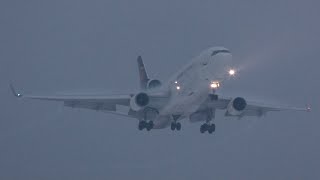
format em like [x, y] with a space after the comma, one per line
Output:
[153, 83]
[236, 106]
[139, 101]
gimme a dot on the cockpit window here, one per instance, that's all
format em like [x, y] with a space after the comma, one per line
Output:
[219, 51]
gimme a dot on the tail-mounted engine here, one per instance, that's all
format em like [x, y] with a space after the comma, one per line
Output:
[145, 82]
[236, 106]
[139, 101]
[153, 83]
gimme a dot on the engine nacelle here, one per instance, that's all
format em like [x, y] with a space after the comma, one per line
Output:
[236, 106]
[139, 101]
[153, 83]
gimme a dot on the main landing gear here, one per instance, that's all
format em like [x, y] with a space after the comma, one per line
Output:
[145, 125]
[147, 114]
[207, 127]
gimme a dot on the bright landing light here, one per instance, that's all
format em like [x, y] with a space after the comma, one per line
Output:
[214, 85]
[232, 72]
[178, 87]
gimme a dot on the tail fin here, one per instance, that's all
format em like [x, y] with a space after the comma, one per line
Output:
[142, 73]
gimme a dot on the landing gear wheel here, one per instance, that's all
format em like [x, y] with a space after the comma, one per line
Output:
[203, 128]
[141, 125]
[148, 125]
[173, 126]
[206, 127]
[151, 124]
[210, 131]
[213, 127]
[178, 126]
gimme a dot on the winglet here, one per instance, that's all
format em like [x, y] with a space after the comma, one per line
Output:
[14, 92]
[308, 108]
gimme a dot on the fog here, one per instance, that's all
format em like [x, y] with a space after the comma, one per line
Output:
[61, 46]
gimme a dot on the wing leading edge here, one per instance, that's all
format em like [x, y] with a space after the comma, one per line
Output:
[106, 103]
[252, 109]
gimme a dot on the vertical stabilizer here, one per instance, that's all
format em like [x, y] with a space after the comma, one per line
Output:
[142, 73]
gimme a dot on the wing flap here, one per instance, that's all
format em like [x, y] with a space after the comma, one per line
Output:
[253, 106]
[79, 97]
[98, 106]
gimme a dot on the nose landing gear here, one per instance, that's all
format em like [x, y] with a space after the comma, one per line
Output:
[175, 126]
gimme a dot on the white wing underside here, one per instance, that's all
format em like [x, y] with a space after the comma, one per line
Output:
[117, 104]
[252, 109]
[105, 103]
[110, 103]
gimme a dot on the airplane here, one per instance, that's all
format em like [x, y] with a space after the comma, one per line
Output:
[190, 94]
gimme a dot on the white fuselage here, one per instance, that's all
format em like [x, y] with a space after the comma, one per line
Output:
[190, 86]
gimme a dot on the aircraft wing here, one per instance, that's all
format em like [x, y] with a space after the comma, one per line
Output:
[252, 109]
[259, 109]
[105, 103]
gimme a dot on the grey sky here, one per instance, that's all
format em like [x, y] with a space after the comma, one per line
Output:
[48, 46]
